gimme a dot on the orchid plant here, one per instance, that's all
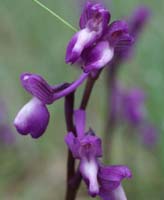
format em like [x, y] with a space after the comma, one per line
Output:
[97, 44]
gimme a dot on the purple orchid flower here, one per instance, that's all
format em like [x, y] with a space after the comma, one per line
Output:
[87, 149]
[86, 146]
[133, 106]
[116, 39]
[96, 53]
[33, 118]
[93, 22]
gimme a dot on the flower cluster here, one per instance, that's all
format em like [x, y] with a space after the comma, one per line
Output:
[97, 41]
[93, 46]
[101, 180]
[129, 105]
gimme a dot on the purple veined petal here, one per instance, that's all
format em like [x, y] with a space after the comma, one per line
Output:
[118, 34]
[124, 43]
[89, 171]
[115, 172]
[94, 15]
[90, 146]
[97, 57]
[80, 121]
[32, 119]
[87, 147]
[81, 40]
[38, 87]
[110, 177]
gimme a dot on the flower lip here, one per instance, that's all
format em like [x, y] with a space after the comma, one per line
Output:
[97, 57]
[89, 171]
[38, 87]
[32, 119]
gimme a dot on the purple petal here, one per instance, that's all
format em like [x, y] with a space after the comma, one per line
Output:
[32, 119]
[38, 87]
[97, 57]
[90, 146]
[118, 34]
[80, 121]
[115, 172]
[93, 16]
[117, 194]
[73, 144]
[110, 177]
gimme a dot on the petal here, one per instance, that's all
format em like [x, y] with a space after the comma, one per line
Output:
[73, 144]
[118, 34]
[97, 57]
[114, 173]
[38, 87]
[32, 119]
[82, 39]
[93, 15]
[89, 170]
[90, 146]
[111, 177]
[117, 194]
[80, 121]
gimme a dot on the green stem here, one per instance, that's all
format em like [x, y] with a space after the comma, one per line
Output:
[55, 15]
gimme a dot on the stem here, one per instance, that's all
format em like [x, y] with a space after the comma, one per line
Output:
[110, 116]
[71, 88]
[84, 102]
[72, 189]
[55, 15]
[88, 89]
[69, 109]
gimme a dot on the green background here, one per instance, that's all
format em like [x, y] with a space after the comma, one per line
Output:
[33, 40]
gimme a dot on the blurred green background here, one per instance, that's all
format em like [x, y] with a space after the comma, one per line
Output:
[33, 40]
